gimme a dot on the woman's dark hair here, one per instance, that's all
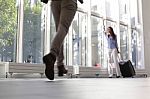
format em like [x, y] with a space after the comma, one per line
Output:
[112, 32]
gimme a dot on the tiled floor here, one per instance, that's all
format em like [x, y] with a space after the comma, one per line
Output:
[81, 88]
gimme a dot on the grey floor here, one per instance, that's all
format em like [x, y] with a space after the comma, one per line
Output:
[80, 88]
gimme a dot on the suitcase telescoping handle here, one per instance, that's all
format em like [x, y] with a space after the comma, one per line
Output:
[120, 57]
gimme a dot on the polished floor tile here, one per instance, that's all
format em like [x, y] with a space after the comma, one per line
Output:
[80, 88]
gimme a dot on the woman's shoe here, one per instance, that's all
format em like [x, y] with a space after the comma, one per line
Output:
[118, 76]
[110, 76]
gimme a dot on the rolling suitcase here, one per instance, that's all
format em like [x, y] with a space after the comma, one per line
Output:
[126, 68]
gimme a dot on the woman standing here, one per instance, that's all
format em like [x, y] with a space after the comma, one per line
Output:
[112, 52]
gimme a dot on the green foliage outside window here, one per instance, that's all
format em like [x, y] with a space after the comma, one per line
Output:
[8, 19]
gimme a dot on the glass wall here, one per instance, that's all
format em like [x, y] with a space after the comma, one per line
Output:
[98, 6]
[136, 35]
[79, 38]
[139, 63]
[32, 51]
[97, 41]
[124, 10]
[85, 45]
[124, 42]
[112, 9]
[8, 29]
[134, 15]
[136, 48]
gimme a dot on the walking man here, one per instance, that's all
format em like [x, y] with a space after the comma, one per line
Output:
[63, 12]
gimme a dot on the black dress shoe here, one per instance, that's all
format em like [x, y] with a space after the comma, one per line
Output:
[49, 61]
[62, 70]
[81, 1]
[44, 1]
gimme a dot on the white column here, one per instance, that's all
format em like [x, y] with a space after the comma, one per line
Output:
[47, 28]
[69, 46]
[140, 28]
[146, 33]
[19, 49]
[89, 49]
[118, 24]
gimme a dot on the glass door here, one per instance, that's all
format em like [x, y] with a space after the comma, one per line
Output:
[79, 39]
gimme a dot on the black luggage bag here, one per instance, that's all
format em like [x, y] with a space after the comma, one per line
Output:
[126, 68]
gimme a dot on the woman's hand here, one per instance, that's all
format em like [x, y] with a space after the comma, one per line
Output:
[118, 51]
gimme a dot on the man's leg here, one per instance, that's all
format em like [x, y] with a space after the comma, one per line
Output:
[68, 10]
[50, 58]
[56, 9]
[60, 65]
